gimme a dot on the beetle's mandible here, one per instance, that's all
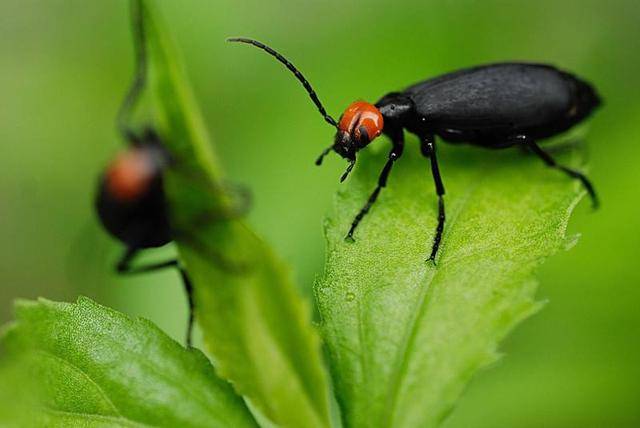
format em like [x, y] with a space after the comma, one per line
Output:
[493, 106]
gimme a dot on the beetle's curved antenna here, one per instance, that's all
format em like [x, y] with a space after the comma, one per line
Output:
[140, 76]
[331, 121]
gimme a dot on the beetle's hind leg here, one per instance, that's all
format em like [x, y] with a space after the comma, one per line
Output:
[547, 159]
[394, 155]
[239, 204]
[125, 267]
[240, 201]
[428, 148]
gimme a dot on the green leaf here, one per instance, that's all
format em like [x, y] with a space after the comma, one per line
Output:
[93, 366]
[404, 336]
[256, 326]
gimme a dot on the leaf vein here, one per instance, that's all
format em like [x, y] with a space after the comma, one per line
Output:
[96, 417]
[77, 369]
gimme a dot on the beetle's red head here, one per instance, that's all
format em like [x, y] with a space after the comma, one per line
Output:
[360, 123]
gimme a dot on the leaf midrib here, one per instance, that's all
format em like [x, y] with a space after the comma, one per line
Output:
[418, 312]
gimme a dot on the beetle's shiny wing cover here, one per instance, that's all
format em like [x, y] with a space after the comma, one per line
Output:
[496, 96]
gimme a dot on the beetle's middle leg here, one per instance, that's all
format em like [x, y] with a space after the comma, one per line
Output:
[546, 158]
[428, 148]
[394, 155]
[125, 267]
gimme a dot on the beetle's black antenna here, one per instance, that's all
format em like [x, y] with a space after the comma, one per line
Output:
[140, 77]
[331, 121]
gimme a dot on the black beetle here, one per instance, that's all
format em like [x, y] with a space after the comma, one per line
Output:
[131, 202]
[493, 106]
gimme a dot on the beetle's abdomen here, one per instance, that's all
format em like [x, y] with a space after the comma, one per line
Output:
[504, 98]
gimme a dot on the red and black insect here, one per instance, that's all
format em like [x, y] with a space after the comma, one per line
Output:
[493, 106]
[131, 201]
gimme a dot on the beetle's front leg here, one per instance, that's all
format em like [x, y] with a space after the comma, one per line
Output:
[397, 139]
[428, 148]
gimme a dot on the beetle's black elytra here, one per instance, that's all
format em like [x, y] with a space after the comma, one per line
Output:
[493, 106]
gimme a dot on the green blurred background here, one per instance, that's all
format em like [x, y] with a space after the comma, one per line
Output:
[64, 66]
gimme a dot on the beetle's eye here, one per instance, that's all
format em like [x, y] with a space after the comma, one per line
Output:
[362, 135]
